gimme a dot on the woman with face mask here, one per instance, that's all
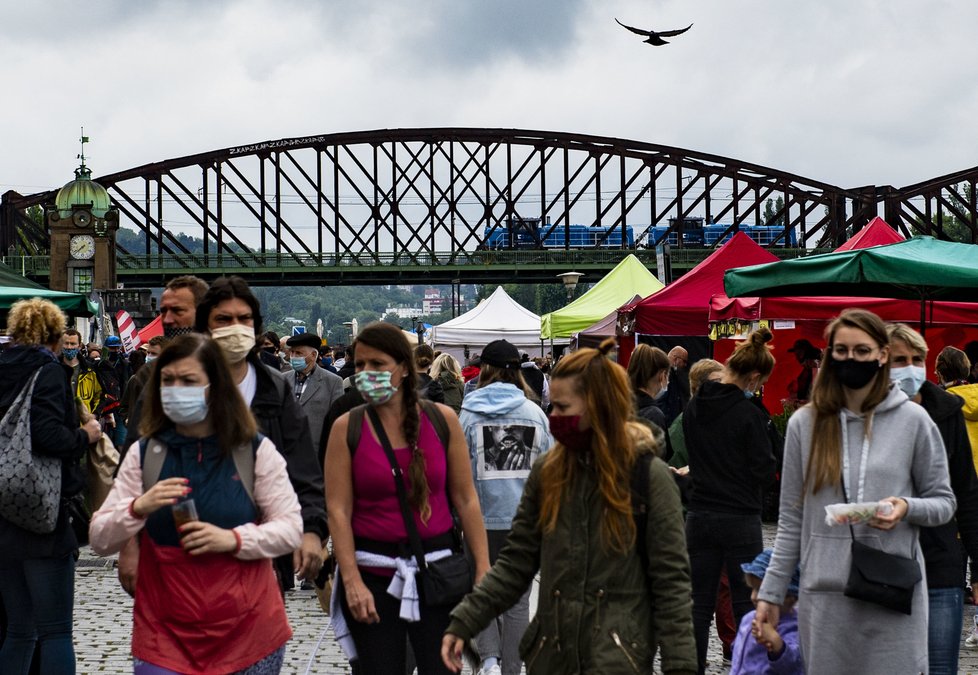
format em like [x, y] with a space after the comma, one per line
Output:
[731, 459]
[614, 586]
[217, 507]
[942, 545]
[379, 609]
[858, 440]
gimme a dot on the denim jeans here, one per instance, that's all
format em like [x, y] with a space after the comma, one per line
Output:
[39, 596]
[502, 638]
[718, 541]
[945, 607]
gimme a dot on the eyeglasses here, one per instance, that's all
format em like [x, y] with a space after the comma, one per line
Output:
[859, 352]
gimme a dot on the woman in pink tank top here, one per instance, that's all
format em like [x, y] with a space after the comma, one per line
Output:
[370, 540]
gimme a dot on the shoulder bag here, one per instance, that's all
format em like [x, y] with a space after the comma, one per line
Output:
[445, 581]
[875, 576]
[30, 485]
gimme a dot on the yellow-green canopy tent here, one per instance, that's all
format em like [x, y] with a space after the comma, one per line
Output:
[629, 278]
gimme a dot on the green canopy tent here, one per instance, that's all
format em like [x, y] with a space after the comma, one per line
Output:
[922, 268]
[10, 278]
[629, 278]
[14, 287]
[72, 304]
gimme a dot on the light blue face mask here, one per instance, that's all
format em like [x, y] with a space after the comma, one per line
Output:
[298, 363]
[184, 405]
[909, 378]
[375, 385]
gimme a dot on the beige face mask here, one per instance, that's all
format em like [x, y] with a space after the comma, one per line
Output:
[235, 341]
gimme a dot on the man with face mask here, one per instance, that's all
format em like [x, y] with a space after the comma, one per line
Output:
[315, 388]
[232, 315]
[944, 561]
[84, 381]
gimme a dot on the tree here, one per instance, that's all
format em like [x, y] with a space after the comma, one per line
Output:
[771, 208]
[951, 227]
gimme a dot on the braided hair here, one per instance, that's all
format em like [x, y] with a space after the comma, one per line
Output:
[388, 338]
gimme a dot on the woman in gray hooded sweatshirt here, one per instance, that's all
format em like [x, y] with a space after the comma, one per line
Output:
[505, 432]
[886, 449]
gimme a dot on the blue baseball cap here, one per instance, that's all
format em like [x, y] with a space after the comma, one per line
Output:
[113, 341]
[758, 568]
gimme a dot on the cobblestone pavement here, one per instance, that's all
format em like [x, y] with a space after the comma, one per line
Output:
[103, 621]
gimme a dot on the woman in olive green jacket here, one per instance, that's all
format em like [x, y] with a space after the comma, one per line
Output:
[604, 607]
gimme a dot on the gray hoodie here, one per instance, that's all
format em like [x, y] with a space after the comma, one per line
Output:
[905, 459]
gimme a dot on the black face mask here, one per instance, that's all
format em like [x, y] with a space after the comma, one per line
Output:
[855, 374]
[172, 331]
[269, 350]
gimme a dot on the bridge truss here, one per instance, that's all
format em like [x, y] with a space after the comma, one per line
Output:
[359, 198]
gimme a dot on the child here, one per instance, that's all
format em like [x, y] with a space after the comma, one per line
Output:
[773, 651]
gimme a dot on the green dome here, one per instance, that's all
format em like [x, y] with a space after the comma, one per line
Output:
[83, 191]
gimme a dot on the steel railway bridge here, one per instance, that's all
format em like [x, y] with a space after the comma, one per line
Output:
[417, 206]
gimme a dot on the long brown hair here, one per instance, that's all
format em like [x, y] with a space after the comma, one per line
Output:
[828, 398]
[388, 338]
[605, 388]
[229, 414]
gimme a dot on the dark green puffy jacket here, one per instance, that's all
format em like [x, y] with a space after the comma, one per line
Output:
[598, 611]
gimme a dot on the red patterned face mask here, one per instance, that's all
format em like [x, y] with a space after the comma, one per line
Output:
[566, 429]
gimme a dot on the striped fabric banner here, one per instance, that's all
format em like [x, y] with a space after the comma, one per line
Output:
[127, 331]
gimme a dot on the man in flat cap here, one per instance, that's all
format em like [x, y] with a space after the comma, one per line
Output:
[315, 388]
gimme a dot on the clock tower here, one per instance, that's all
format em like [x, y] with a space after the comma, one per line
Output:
[83, 227]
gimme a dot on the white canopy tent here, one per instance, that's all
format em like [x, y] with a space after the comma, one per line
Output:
[498, 317]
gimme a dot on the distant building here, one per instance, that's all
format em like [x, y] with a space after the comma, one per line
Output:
[403, 311]
[433, 301]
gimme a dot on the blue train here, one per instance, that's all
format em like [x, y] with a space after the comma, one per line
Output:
[697, 234]
[529, 233]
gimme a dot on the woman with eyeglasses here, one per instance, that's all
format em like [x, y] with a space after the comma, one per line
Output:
[859, 439]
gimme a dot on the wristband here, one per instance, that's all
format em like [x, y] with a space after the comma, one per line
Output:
[237, 538]
[132, 510]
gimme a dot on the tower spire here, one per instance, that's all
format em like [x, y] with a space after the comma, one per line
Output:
[83, 171]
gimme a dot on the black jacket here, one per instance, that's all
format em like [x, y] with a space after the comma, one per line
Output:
[942, 548]
[54, 433]
[280, 417]
[647, 409]
[730, 453]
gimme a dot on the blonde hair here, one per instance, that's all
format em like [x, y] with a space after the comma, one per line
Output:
[35, 322]
[700, 373]
[753, 354]
[446, 363]
[906, 334]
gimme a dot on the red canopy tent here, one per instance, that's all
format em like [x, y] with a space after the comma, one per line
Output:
[876, 233]
[682, 308]
[792, 319]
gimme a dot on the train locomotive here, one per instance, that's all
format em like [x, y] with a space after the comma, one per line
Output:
[530, 233]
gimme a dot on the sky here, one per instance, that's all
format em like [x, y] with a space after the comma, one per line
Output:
[848, 92]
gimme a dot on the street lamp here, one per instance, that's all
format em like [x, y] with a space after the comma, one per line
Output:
[569, 280]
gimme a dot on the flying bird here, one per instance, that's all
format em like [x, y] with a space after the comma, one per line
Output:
[655, 37]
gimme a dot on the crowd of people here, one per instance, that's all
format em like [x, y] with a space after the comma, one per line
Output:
[442, 492]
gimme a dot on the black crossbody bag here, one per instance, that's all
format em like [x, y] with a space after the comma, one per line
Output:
[445, 581]
[882, 578]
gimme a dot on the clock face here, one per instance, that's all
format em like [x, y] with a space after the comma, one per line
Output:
[82, 247]
[81, 218]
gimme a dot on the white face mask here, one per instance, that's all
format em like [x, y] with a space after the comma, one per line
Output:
[184, 405]
[909, 378]
[235, 341]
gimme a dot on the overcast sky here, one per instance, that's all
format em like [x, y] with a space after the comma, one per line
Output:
[850, 92]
